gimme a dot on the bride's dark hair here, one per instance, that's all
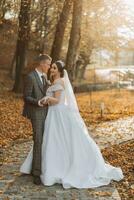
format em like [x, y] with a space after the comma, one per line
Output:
[60, 66]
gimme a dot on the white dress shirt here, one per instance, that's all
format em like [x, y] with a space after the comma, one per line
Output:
[40, 74]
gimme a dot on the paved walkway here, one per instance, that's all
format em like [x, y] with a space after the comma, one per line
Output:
[15, 186]
[113, 132]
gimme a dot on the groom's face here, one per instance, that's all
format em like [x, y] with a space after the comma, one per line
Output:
[45, 65]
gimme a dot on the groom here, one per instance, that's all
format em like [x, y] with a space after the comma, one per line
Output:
[35, 88]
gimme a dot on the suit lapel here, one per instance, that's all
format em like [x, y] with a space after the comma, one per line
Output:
[39, 81]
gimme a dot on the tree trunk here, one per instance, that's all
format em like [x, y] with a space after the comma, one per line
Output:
[83, 70]
[74, 38]
[45, 26]
[12, 68]
[60, 30]
[2, 9]
[77, 68]
[22, 42]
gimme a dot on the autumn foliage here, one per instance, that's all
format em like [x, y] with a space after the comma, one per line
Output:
[121, 155]
[118, 104]
[14, 126]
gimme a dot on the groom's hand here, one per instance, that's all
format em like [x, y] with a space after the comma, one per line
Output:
[44, 103]
[40, 103]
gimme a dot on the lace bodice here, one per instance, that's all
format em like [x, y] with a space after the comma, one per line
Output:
[57, 87]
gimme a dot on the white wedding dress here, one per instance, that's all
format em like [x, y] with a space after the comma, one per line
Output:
[69, 155]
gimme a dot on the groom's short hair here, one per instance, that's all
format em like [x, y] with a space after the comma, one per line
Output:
[42, 57]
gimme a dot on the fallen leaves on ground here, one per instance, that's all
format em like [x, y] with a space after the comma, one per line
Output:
[13, 125]
[123, 156]
[113, 132]
[117, 104]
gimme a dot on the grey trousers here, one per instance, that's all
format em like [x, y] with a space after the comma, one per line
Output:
[38, 130]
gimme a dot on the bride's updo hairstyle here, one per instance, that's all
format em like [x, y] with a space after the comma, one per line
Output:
[60, 65]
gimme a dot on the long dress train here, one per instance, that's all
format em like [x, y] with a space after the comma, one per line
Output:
[69, 155]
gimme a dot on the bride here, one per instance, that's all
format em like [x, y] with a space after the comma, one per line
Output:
[69, 155]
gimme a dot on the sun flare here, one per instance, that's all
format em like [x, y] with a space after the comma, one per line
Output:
[129, 4]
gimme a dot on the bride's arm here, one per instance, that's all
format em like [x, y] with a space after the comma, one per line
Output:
[43, 101]
[54, 100]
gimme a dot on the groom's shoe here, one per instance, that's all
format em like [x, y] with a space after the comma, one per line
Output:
[36, 180]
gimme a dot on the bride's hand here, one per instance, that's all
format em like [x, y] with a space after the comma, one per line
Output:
[48, 101]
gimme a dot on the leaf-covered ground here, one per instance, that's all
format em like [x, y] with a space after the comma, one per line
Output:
[118, 104]
[123, 155]
[13, 126]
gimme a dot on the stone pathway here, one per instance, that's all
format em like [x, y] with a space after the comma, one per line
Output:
[113, 132]
[15, 186]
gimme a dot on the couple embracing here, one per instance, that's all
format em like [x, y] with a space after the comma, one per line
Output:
[63, 151]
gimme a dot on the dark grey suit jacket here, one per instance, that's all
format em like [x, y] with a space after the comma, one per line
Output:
[33, 92]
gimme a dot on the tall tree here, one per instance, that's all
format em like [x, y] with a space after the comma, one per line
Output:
[22, 42]
[74, 38]
[2, 9]
[60, 30]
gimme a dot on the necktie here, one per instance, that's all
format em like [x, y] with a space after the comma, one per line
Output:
[44, 82]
